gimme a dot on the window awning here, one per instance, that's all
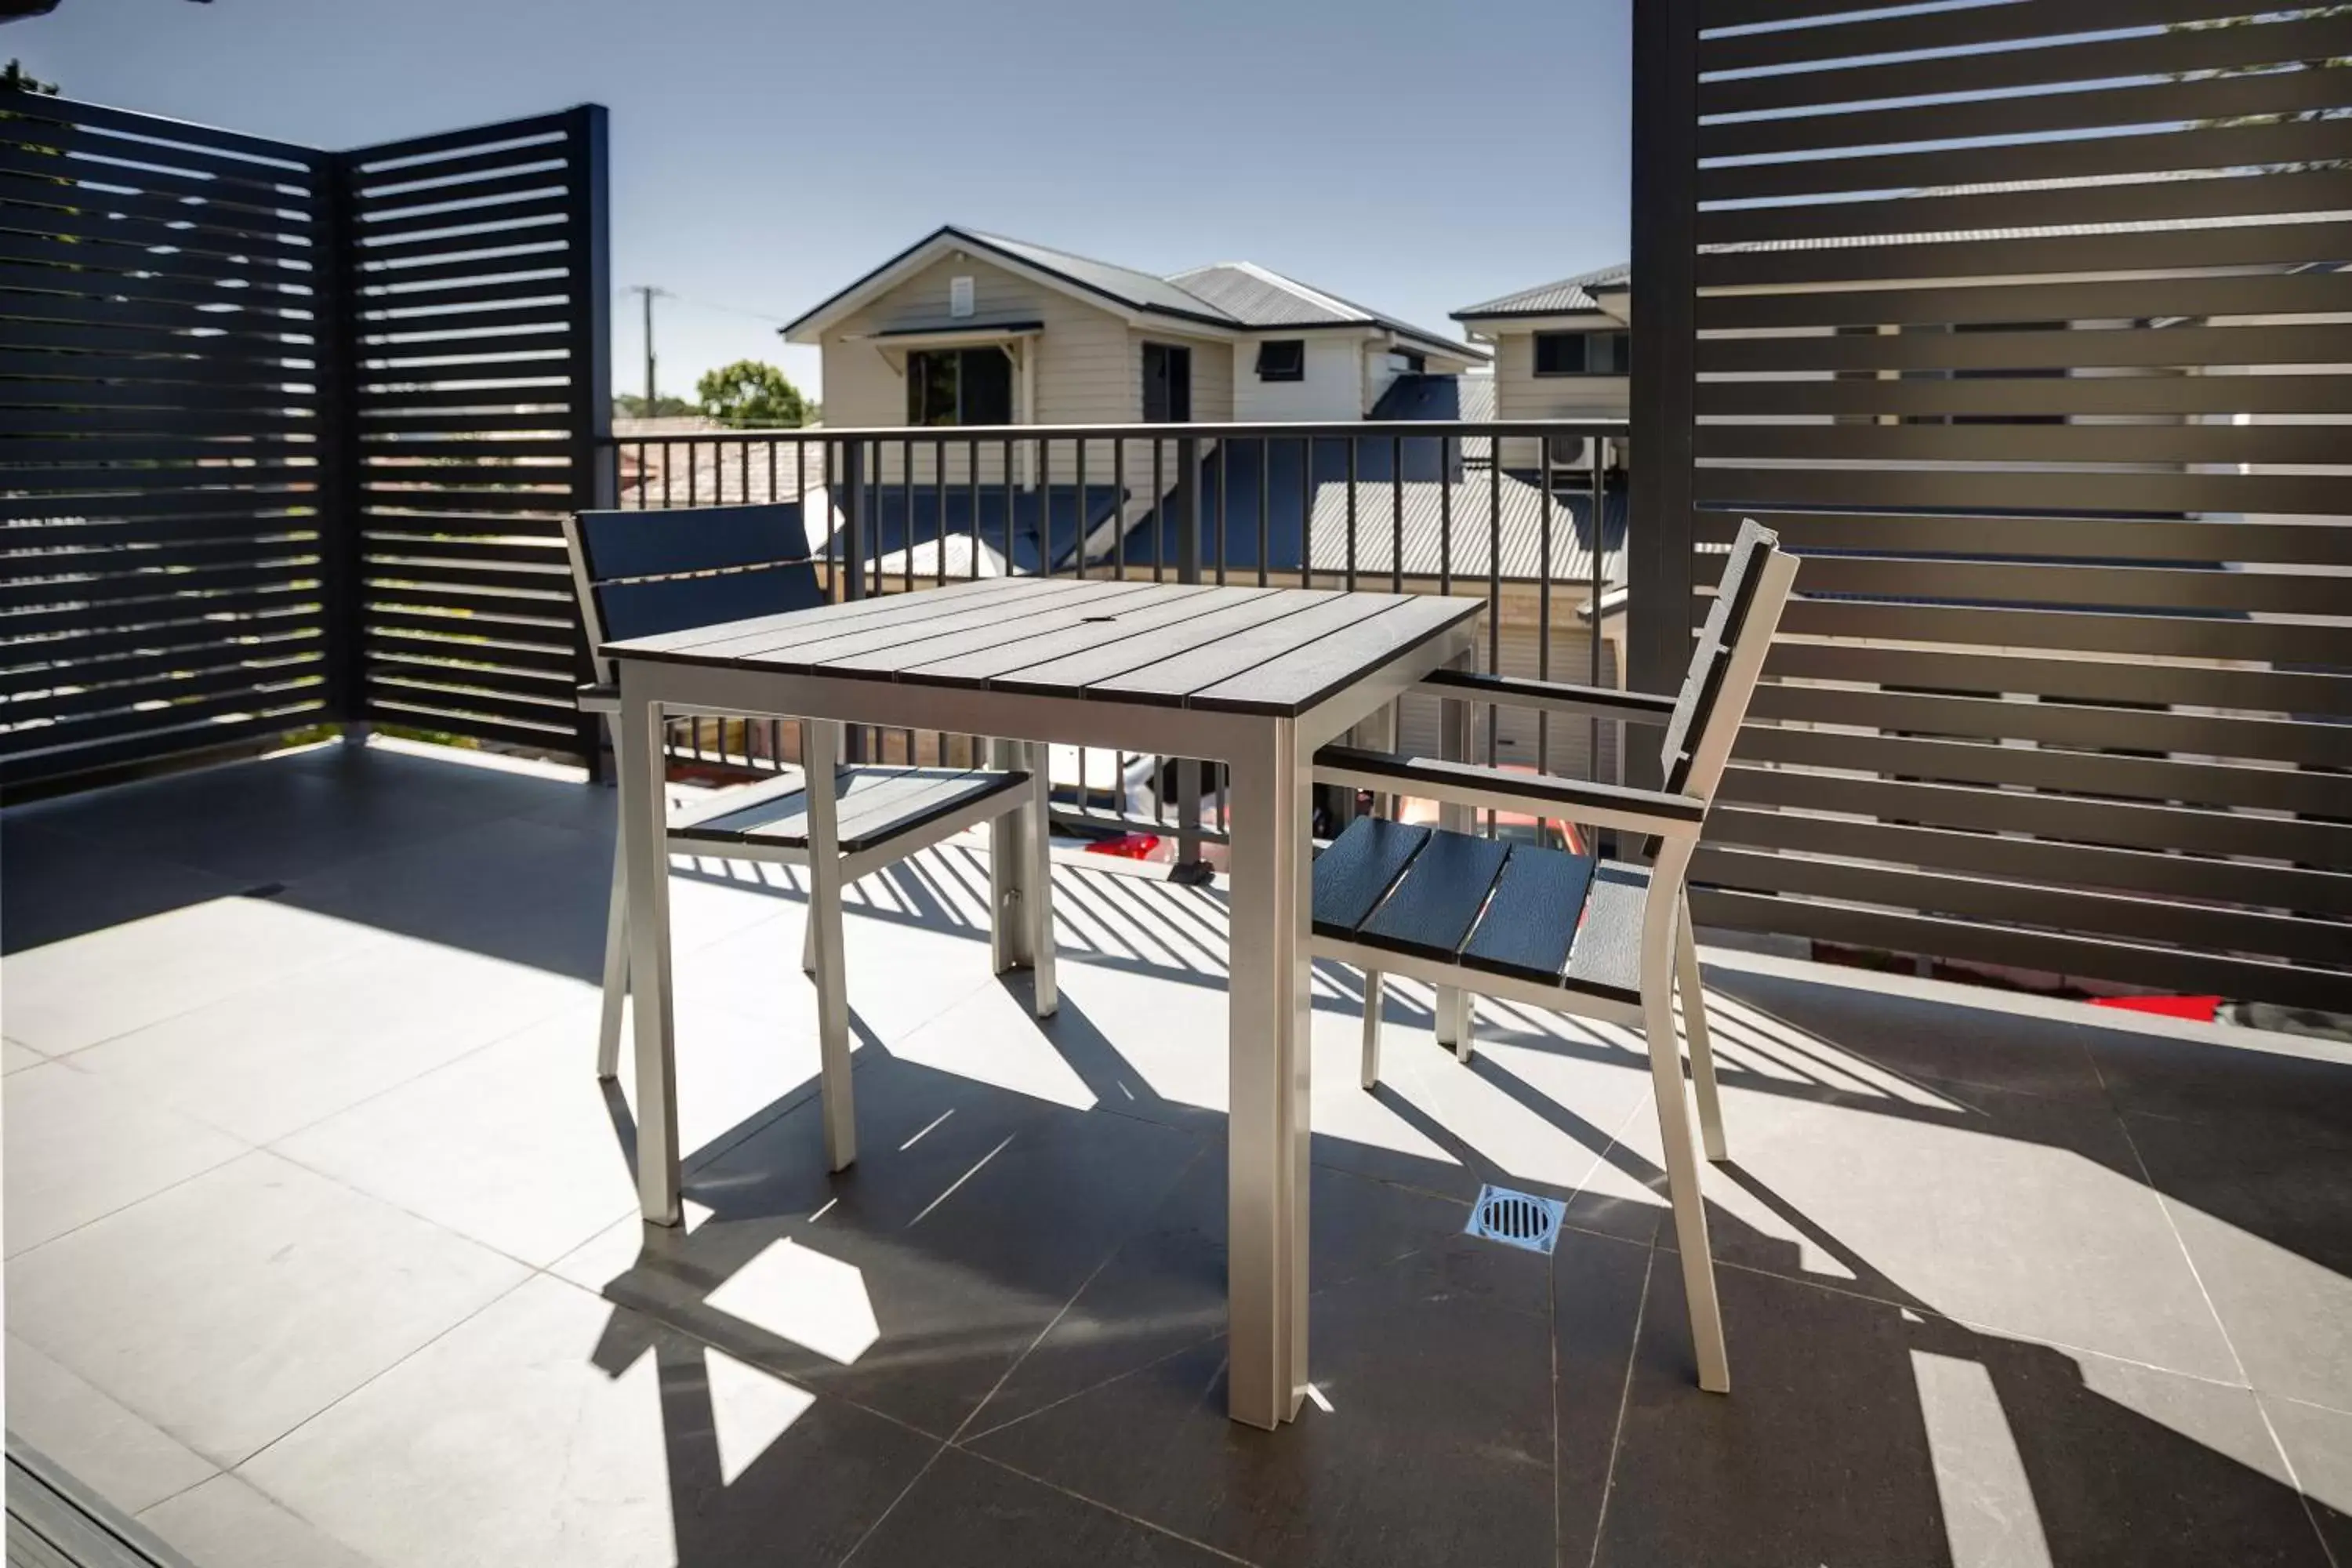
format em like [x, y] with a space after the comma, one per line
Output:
[894, 343]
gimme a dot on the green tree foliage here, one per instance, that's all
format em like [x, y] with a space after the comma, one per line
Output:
[751, 395]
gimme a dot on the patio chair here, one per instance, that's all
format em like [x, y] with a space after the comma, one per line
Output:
[644, 574]
[1587, 936]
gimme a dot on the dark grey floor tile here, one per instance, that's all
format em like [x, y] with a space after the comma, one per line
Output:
[1597, 1289]
[1437, 1446]
[971, 1218]
[556, 1428]
[2228, 1074]
[1864, 1433]
[2263, 1201]
[1164, 1290]
[54, 884]
[966, 1511]
[513, 889]
[277, 820]
[2019, 1212]
[1809, 1028]
[2318, 1445]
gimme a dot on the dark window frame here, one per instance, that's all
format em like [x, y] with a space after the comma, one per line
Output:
[1584, 343]
[1174, 358]
[920, 384]
[1296, 353]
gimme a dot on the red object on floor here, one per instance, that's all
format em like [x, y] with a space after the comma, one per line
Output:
[2200, 1009]
[1129, 846]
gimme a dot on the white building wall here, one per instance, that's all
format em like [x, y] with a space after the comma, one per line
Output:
[1333, 388]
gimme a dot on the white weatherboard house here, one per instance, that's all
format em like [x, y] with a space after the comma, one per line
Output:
[966, 328]
[1562, 351]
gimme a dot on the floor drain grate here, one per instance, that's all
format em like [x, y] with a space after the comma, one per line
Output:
[1516, 1219]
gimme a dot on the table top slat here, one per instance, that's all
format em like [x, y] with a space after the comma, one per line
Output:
[1224, 617]
[1272, 651]
[729, 641]
[861, 637]
[1296, 681]
[1163, 605]
[1176, 677]
[1068, 611]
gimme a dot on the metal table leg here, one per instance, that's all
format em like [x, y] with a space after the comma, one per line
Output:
[822, 742]
[1266, 1196]
[645, 827]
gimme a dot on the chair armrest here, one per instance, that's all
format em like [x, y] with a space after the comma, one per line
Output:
[1549, 696]
[600, 700]
[1471, 784]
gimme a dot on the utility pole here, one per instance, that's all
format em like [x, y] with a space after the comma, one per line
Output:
[650, 294]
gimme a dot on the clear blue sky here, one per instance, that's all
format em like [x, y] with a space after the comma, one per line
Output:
[1416, 157]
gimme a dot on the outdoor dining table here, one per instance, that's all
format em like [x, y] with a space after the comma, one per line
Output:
[1254, 677]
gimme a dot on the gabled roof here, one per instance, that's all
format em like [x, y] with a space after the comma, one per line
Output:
[1567, 297]
[1236, 296]
[1259, 296]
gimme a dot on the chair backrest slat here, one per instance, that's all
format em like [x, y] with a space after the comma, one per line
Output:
[1726, 620]
[641, 574]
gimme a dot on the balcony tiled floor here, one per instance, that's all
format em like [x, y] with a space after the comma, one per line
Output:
[321, 1247]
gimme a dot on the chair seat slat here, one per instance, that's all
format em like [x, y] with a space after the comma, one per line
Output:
[1355, 872]
[1530, 922]
[1438, 900]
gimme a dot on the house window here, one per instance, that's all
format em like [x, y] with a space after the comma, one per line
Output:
[1583, 353]
[1281, 359]
[959, 386]
[1167, 384]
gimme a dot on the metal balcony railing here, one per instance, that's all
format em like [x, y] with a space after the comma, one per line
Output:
[1517, 513]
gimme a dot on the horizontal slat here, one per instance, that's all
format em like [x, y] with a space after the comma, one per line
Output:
[170, 685]
[2313, 293]
[95, 257]
[2061, 724]
[2103, 679]
[2276, 247]
[2175, 970]
[395, 712]
[374, 212]
[203, 644]
[2304, 343]
[2204, 147]
[168, 741]
[169, 397]
[2202, 926]
[43, 110]
[80, 212]
[2232, 195]
[2320, 544]
[2086, 773]
[376, 281]
[472, 691]
[1836, 40]
[2170, 52]
[2075, 818]
[399, 646]
[456, 172]
[2177, 636]
[2010, 396]
[457, 303]
[2158, 443]
[2212, 100]
[2326, 495]
[2116, 587]
[416, 158]
[93, 510]
[109, 726]
[2202, 878]
[441, 243]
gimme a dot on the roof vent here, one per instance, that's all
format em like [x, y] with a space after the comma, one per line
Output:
[959, 297]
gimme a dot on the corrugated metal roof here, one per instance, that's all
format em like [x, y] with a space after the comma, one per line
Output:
[1138, 288]
[1565, 297]
[1495, 517]
[1259, 296]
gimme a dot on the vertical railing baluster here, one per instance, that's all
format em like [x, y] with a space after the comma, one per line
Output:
[1081, 509]
[1598, 447]
[1493, 604]
[1352, 514]
[1265, 506]
[1543, 615]
[1307, 512]
[1396, 494]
